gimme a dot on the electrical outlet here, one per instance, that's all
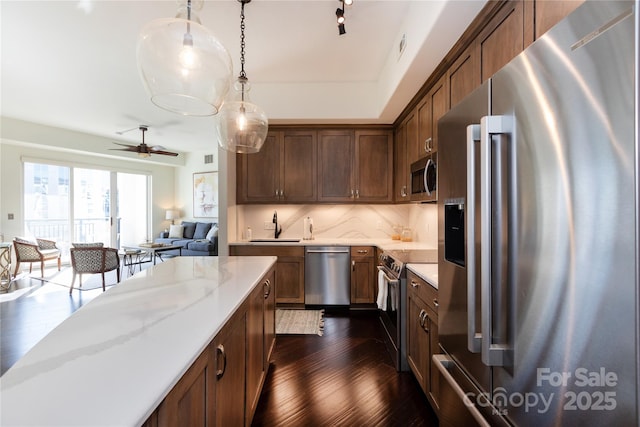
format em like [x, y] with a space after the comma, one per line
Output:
[10, 216]
[268, 225]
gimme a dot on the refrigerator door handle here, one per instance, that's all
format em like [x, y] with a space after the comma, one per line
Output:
[443, 363]
[493, 353]
[474, 336]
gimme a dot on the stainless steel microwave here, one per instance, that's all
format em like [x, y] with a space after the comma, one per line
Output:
[424, 174]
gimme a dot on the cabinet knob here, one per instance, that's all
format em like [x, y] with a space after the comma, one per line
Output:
[357, 194]
[353, 266]
[352, 193]
[435, 303]
[363, 251]
[403, 192]
[415, 285]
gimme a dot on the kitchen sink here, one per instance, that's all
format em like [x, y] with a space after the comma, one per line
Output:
[274, 240]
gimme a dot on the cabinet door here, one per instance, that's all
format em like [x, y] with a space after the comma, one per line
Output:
[418, 339]
[425, 128]
[374, 166]
[502, 39]
[190, 402]
[298, 167]
[229, 348]
[290, 280]
[412, 124]
[258, 174]
[255, 350]
[549, 13]
[401, 165]
[335, 165]
[463, 76]
[439, 107]
[269, 287]
[362, 275]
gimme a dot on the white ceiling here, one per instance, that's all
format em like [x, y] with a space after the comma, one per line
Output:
[72, 64]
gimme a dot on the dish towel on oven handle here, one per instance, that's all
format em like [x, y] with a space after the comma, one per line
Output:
[383, 289]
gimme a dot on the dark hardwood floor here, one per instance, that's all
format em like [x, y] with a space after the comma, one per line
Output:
[342, 378]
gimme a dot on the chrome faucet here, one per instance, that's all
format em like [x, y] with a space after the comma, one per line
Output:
[278, 229]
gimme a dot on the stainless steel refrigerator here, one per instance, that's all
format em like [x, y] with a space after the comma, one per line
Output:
[538, 225]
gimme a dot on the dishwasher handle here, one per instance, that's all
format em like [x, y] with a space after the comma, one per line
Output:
[331, 251]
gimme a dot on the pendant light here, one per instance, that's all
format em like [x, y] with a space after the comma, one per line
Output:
[184, 67]
[241, 125]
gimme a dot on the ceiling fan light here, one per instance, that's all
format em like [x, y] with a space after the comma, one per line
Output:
[340, 15]
[241, 125]
[348, 2]
[184, 67]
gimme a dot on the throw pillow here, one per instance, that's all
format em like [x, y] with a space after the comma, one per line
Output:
[213, 232]
[175, 231]
[189, 229]
[27, 240]
[202, 228]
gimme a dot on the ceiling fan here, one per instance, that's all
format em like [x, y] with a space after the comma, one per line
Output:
[143, 149]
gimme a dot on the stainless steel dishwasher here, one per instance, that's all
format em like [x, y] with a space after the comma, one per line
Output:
[327, 278]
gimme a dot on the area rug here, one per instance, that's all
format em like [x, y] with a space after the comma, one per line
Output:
[301, 322]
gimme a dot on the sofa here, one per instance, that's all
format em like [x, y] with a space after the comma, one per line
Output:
[196, 238]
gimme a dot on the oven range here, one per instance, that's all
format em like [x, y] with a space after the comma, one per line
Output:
[392, 297]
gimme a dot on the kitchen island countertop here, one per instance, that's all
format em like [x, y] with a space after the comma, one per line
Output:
[115, 359]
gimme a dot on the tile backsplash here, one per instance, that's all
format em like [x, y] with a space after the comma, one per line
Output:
[341, 221]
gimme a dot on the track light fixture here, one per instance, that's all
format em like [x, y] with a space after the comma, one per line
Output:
[340, 16]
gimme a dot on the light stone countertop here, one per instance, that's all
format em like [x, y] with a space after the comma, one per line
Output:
[384, 244]
[115, 359]
[428, 272]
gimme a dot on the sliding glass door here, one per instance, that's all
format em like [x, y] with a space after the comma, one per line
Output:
[47, 203]
[72, 204]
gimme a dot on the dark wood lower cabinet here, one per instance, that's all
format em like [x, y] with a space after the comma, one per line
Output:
[422, 336]
[289, 271]
[222, 387]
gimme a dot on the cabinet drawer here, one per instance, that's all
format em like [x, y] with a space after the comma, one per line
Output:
[264, 250]
[362, 251]
[424, 290]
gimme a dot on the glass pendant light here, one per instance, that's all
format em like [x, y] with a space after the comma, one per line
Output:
[184, 67]
[241, 125]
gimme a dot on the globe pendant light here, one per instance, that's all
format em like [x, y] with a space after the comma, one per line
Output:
[184, 67]
[241, 125]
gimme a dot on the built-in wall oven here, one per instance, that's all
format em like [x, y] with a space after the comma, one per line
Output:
[392, 298]
[424, 174]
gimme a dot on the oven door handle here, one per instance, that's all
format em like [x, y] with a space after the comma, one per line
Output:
[386, 277]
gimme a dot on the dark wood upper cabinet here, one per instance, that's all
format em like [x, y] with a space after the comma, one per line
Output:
[335, 164]
[502, 39]
[283, 171]
[401, 164]
[373, 166]
[549, 13]
[463, 76]
[355, 166]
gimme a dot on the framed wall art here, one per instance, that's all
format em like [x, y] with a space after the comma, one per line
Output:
[205, 195]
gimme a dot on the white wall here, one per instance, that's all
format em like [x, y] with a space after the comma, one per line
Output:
[48, 144]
